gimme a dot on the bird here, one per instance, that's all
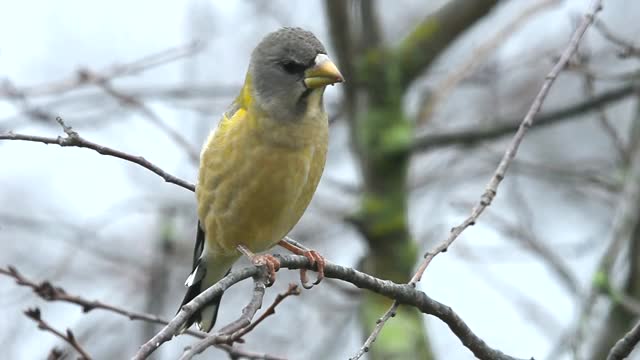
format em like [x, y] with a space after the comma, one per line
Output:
[262, 164]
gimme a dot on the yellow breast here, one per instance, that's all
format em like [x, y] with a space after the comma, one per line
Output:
[257, 176]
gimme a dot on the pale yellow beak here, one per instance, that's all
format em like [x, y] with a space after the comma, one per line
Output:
[323, 73]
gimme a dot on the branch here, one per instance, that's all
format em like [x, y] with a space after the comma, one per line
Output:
[427, 141]
[492, 187]
[73, 139]
[249, 311]
[152, 116]
[403, 293]
[625, 346]
[69, 338]
[237, 329]
[132, 68]
[292, 290]
[477, 56]
[47, 291]
[628, 48]
[436, 32]
[499, 174]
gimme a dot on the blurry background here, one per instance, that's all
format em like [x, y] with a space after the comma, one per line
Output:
[433, 91]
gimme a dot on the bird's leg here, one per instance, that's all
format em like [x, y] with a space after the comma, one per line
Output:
[314, 258]
[269, 261]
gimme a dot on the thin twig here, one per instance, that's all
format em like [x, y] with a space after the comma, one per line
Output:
[292, 290]
[148, 113]
[492, 187]
[69, 338]
[237, 329]
[235, 353]
[49, 292]
[376, 331]
[115, 71]
[226, 334]
[625, 346]
[73, 139]
[480, 54]
[628, 48]
[428, 140]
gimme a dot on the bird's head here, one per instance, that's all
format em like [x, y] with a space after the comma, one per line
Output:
[289, 71]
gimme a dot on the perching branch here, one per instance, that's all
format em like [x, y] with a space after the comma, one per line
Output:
[34, 314]
[403, 293]
[73, 139]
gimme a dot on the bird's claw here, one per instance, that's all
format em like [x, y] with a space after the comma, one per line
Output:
[314, 259]
[271, 264]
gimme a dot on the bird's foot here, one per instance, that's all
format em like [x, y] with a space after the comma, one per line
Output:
[316, 260]
[269, 262]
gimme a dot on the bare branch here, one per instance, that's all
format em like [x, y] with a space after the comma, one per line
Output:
[34, 314]
[628, 48]
[151, 115]
[492, 187]
[227, 333]
[429, 140]
[49, 292]
[73, 139]
[237, 329]
[292, 290]
[480, 54]
[132, 68]
[376, 331]
[625, 346]
[436, 32]
[403, 293]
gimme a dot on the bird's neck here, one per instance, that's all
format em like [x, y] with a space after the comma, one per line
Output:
[309, 129]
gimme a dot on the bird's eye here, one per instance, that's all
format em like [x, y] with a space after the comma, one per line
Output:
[292, 67]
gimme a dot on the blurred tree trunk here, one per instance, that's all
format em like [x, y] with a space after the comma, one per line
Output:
[377, 79]
[619, 318]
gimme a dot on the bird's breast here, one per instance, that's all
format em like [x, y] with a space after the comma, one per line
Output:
[255, 185]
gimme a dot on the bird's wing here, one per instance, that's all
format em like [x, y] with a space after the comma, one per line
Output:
[197, 253]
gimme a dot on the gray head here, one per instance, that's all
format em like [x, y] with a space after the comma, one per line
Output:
[286, 67]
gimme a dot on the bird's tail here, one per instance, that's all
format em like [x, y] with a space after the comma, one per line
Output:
[205, 273]
[205, 318]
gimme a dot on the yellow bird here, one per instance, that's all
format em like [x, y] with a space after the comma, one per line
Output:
[261, 166]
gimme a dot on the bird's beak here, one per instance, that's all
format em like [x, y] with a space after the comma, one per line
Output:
[323, 73]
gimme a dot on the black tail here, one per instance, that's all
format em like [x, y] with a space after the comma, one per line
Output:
[197, 282]
[210, 309]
